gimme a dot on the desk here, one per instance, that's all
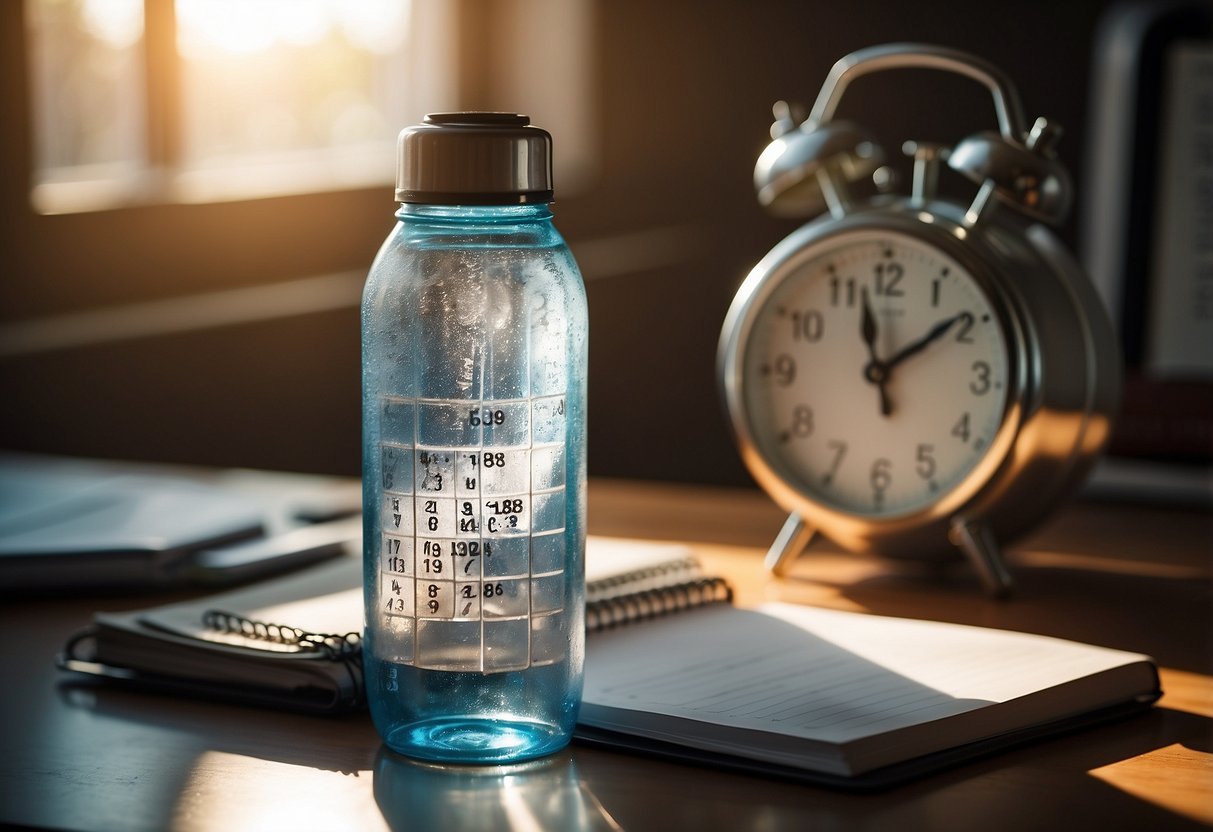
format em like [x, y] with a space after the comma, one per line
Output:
[1129, 577]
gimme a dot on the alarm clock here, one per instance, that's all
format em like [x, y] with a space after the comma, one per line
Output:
[908, 375]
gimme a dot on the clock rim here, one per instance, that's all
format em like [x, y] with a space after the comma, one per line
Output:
[852, 528]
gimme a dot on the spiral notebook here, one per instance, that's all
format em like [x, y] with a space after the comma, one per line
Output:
[294, 642]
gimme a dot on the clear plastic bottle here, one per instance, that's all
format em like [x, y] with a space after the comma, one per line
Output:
[474, 389]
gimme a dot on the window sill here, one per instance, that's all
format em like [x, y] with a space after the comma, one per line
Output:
[248, 178]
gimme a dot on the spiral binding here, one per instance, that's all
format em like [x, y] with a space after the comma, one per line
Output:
[658, 572]
[346, 649]
[334, 647]
[617, 611]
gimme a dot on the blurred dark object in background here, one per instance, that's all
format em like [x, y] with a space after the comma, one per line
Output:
[1147, 231]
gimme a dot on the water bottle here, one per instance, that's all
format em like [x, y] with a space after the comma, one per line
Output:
[474, 392]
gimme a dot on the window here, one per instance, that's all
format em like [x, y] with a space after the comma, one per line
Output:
[87, 71]
[208, 100]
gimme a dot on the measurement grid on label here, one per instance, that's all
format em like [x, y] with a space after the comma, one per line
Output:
[472, 558]
[470, 580]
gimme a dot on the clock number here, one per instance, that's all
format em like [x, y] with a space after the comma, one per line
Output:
[961, 428]
[966, 323]
[807, 325]
[935, 291]
[888, 275]
[926, 461]
[802, 421]
[840, 449]
[785, 369]
[881, 476]
[981, 385]
[837, 293]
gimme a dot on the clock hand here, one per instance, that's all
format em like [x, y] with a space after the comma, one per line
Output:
[875, 371]
[936, 332]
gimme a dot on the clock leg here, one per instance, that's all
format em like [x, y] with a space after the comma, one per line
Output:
[979, 546]
[789, 543]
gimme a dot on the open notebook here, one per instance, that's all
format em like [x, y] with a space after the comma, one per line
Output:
[840, 698]
[843, 697]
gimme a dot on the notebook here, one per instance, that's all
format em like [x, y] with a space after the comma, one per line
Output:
[844, 698]
[73, 524]
[672, 669]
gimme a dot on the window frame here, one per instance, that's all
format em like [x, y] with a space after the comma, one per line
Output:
[151, 246]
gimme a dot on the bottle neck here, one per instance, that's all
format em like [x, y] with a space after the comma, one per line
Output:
[536, 212]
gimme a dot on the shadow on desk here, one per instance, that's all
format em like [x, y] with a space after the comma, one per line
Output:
[234, 729]
[1165, 616]
[1137, 579]
[167, 763]
[1043, 785]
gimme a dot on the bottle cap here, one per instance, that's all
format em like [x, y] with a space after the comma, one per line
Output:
[474, 159]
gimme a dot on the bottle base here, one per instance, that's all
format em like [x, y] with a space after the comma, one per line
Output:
[471, 739]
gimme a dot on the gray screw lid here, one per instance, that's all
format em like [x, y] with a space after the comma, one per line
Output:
[474, 158]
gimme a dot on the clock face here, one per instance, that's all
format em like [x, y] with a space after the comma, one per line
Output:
[876, 373]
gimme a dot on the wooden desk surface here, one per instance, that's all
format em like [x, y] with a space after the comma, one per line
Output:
[1128, 577]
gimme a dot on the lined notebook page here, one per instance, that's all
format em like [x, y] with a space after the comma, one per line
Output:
[822, 674]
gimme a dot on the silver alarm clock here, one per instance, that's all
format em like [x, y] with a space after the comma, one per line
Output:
[906, 375]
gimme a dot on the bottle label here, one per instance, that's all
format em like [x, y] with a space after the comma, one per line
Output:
[472, 527]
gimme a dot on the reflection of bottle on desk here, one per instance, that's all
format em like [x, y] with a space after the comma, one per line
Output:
[538, 794]
[474, 339]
